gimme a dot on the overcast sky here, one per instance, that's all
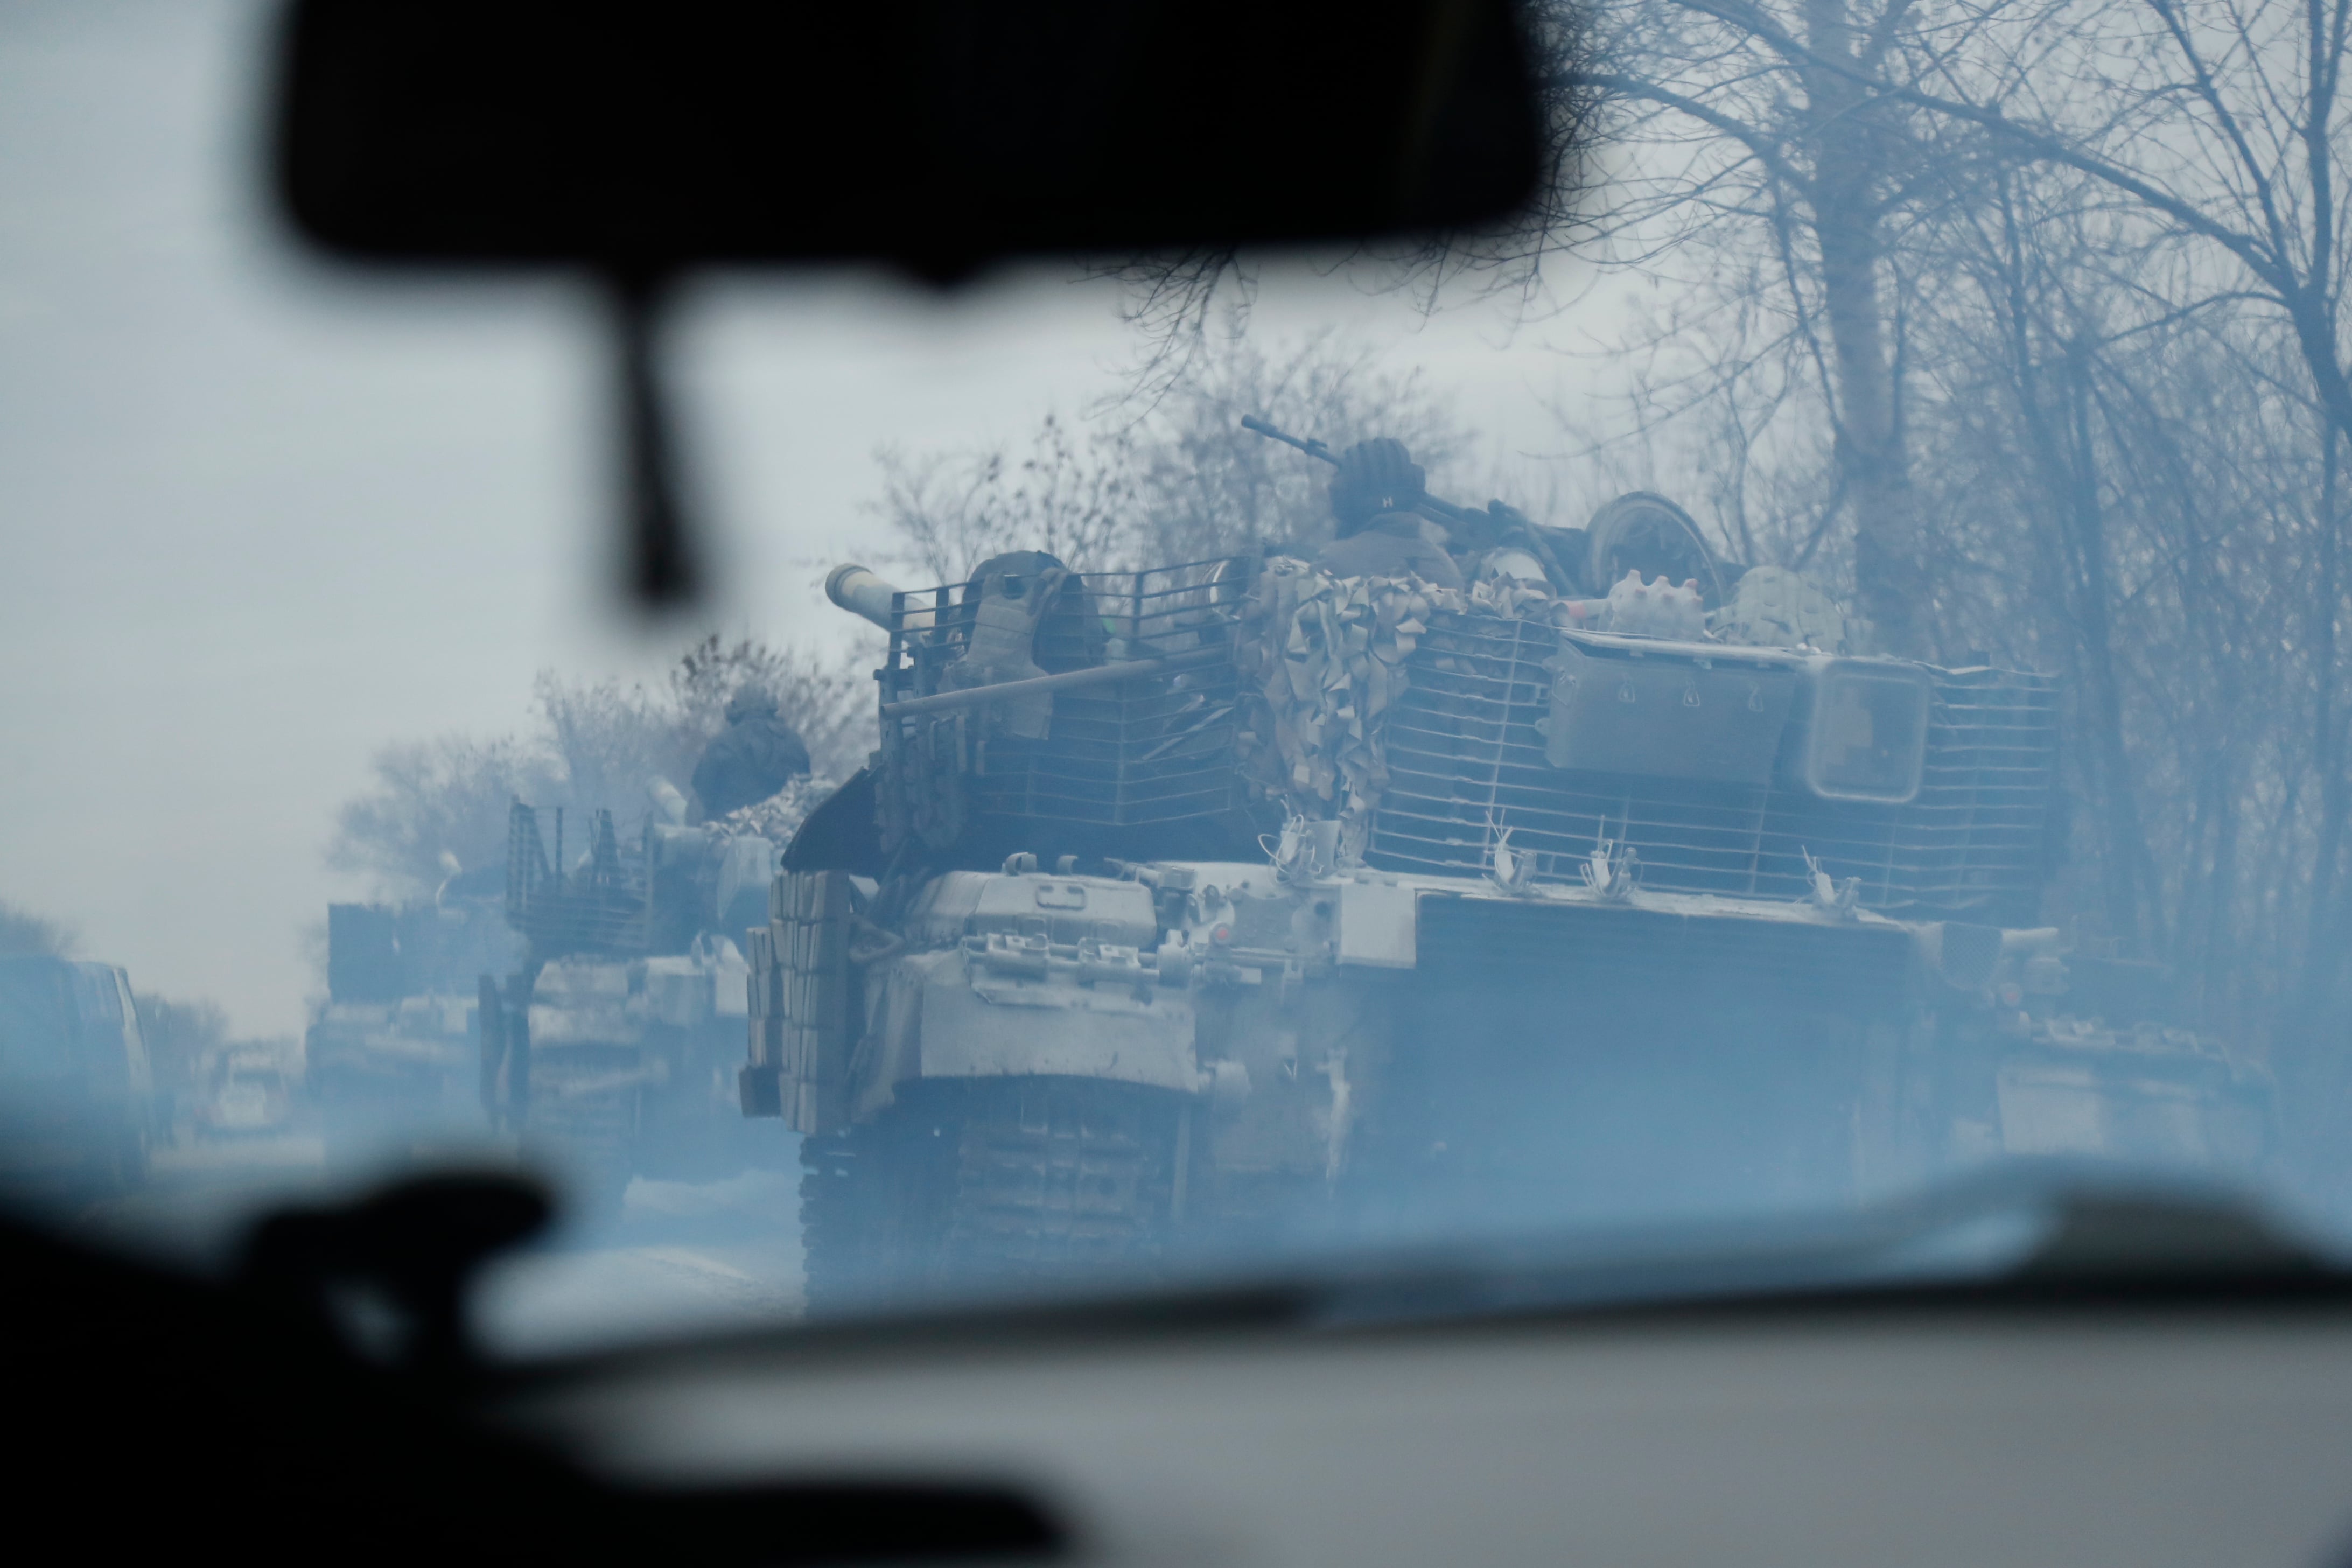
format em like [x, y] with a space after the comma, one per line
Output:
[260, 520]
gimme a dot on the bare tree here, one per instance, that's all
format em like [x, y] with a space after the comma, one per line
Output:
[21, 931]
[431, 802]
[1181, 300]
[2033, 356]
[1181, 481]
[2132, 485]
[593, 745]
[1775, 138]
[1066, 497]
[2214, 132]
[2103, 238]
[1738, 128]
[178, 1035]
[2219, 123]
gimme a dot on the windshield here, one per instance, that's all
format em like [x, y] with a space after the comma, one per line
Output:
[1804, 668]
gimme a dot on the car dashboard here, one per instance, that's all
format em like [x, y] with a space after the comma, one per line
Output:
[1931, 1432]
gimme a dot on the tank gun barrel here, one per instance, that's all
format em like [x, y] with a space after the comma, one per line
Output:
[868, 594]
[1099, 675]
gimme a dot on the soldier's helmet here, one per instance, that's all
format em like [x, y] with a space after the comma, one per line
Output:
[1375, 476]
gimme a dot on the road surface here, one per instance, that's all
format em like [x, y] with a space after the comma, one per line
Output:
[678, 1258]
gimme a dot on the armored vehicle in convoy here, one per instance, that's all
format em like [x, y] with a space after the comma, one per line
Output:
[389, 1057]
[1188, 906]
[241, 1093]
[614, 1046]
[78, 1107]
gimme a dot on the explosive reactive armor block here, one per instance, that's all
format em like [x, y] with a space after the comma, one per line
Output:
[803, 1017]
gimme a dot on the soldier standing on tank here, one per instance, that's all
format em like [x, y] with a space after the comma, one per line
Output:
[1380, 533]
[756, 755]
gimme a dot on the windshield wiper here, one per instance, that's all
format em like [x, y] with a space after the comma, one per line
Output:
[2031, 1234]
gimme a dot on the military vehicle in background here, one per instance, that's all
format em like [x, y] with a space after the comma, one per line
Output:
[1214, 901]
[614, 1044]
[241, 1093]
[78, 1111]
[391, 1057]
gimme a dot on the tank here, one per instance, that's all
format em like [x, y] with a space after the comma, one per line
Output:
[614, 1046]
[1221, 905]
[389, 1057]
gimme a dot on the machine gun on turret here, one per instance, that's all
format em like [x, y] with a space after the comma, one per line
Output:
[1638, 532]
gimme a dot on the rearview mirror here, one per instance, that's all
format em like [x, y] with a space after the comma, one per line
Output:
[939, 135]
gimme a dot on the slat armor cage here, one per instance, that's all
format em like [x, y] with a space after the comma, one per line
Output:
[599, 909]
[1467, 755]
[1153, 749]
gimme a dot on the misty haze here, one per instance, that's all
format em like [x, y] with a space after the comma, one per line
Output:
[1802, 667]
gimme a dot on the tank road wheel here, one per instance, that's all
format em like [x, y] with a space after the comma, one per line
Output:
[987, 1183]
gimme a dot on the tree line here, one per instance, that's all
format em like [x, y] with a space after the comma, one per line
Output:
[2019, 324]
[2023, 322]
[180, 1034]
[438, 807]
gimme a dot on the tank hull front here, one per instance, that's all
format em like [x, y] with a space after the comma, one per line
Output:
[1326, 1057]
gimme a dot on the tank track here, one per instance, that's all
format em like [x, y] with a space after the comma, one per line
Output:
[849, 1244]
[988, 1185]
[595, 1133]
[1059, 1176]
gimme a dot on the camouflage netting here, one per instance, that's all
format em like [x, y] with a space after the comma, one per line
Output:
[779, 817]
[918, 782]
[1775, 608]
[1328, 655]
